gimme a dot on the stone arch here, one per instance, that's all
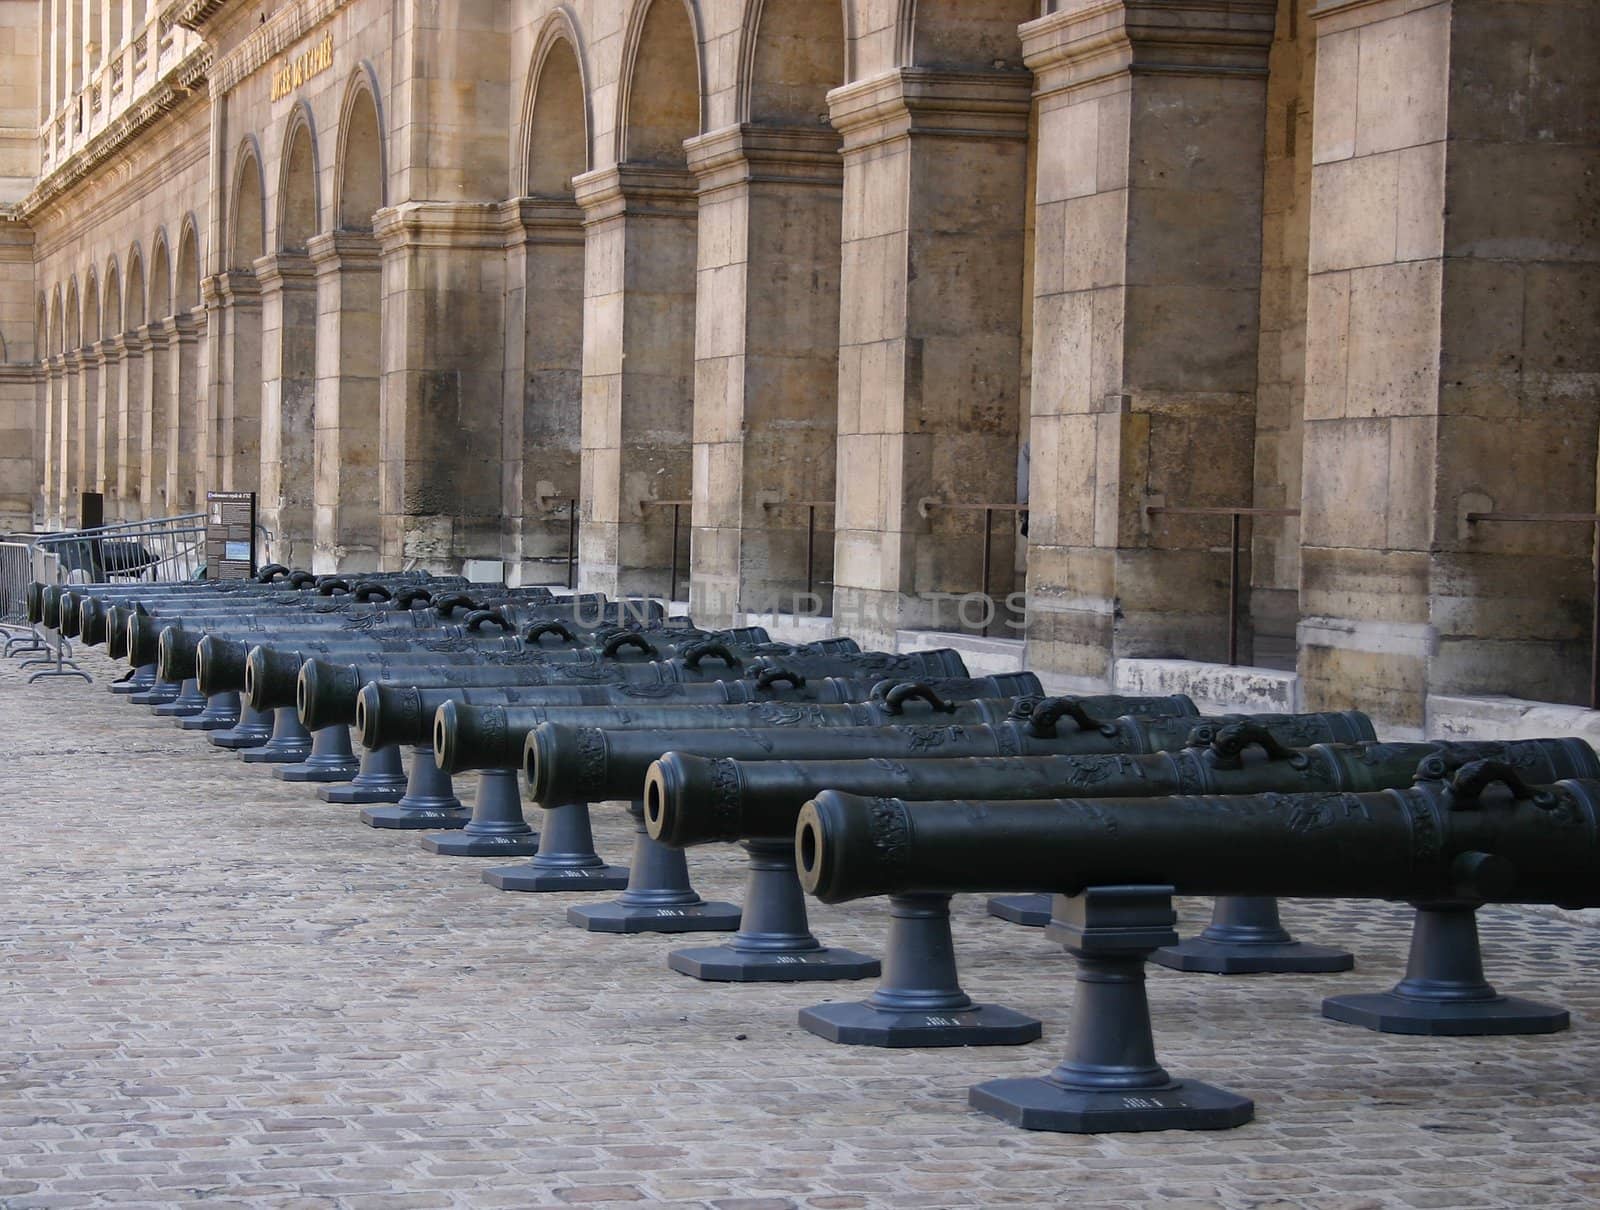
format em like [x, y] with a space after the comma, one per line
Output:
[298, 205]
[111, 299]
[962, 33]
[57, 342]
[160, 305]
[41, 328]
[91, 308]
[133, 290]
[361, 180]
[73, 314]
[247, 214]
[555, 115]
[792, 53]
[661, 101]
[186, 285]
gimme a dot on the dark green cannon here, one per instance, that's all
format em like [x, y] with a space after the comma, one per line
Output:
[1453, 840]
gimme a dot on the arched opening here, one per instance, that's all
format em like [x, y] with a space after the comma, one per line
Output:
[91, 309]
[664, 89]
[74, 316]
[133, 291]
[91, 403]
[188, 281]
[247, 242]
[558, 133]
[156, 417]
[111, 324]
[799, 55]
[641, 289]
[160, 280]
[297, 188]
[188, 398]
[544, 313]
[135, 359]
[361, 183]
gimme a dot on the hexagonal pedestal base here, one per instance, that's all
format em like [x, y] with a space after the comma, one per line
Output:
[382, 779]
[1389, 1013]
[1246, 937]
[465, 844]
[619, 917]
[862, 1024]
[415, 819]
[1042, 1104]
[1030, 910]
[727, 964]
[533, 877]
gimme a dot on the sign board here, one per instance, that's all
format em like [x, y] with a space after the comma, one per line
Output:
[230, 535]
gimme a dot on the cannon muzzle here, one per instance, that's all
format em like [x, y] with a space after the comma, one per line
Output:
[176, 659]
[325, 694]
[144, 638]
[1479, 835]
[219, 664]
[271, 677]
[476, 737]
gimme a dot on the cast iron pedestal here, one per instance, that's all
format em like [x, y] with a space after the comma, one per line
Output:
[429, 802]
[496, 829]
[1030, 910]
[566, 860]
[382, 778]
[331, 758]
[1245, 937]
[659, 898]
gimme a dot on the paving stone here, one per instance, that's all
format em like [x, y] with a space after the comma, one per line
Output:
[219, 990]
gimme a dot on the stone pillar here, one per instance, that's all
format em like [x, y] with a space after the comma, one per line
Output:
[236, 452]
[72, 436]
[1451, 360]
[55, 416]
[346, 531]
[443, 362]
[130, 402]
[935, 164]
[766, 362]
[157, 338]
[638, 372]
[288, 391]
[543, 413]
[1146, 297]
[103, 479]
[182, 411]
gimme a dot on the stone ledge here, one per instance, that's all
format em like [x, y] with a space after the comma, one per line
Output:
[1216, 688]
[1492, 717]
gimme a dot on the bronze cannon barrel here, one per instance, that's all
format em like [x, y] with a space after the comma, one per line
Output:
[588, 764]
[404, 714]
[1482, 836]
[491, 737]
[697, 800]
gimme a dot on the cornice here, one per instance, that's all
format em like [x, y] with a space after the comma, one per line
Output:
[1093, 40]
[635, 190]
[458, 225]
[747, 154]
[193, 14]
[279, 271]
[166, 95]
[282, 30]
[541, 220]
[929, 101]
[22, 371]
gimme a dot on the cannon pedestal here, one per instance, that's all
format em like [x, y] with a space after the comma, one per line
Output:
[1030, 910]
[774, 943]
[143, 677]
[1110, 1080]
[659, 898]
[331, 758]
[920, 1001]
[429, 801]
[253, 729]
[289, 744]
[566, 860]
[189, 702]
[1246, 937]
[159, 693]
[496, 829]
[221, 712]
[1444, 992]
[381, 778]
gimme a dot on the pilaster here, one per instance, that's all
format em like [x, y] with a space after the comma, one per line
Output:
[766, 363]
[124, 453]
[288, 291]
[236, 381]
[1145, 330]
[157, 337]
[638, 372]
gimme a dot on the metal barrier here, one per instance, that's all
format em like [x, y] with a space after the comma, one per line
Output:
[1233, 514]
[811, 507]
[1592, 520]
[1018, 514]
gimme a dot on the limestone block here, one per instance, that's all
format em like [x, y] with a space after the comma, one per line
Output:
[1385, 588]
[1393, 367]
[1404, 87]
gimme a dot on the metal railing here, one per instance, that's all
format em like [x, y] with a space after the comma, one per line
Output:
[811, 507]
[677, 507]
[985, 573]
[1233, 515]
[1593, 521]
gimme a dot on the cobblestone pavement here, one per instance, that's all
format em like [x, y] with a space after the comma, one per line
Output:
[217, 989]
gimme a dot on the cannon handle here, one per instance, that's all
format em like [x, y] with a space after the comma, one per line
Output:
[695, 652]
[1048, 711]
[332, 585]
[478, 617]
[1474, 777]
[1228, 743]
[629, 638]
[452, 601]
[537, 631]
[768, 677]
[370, 590]
[302, 579]
[407, 597]
[271, 572]
[895, 699]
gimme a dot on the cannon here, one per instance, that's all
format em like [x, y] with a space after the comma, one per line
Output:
[1459, 837]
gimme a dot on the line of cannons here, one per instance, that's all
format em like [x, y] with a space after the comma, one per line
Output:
[850, 774]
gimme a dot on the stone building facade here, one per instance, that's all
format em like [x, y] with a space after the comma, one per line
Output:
[450, 281]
